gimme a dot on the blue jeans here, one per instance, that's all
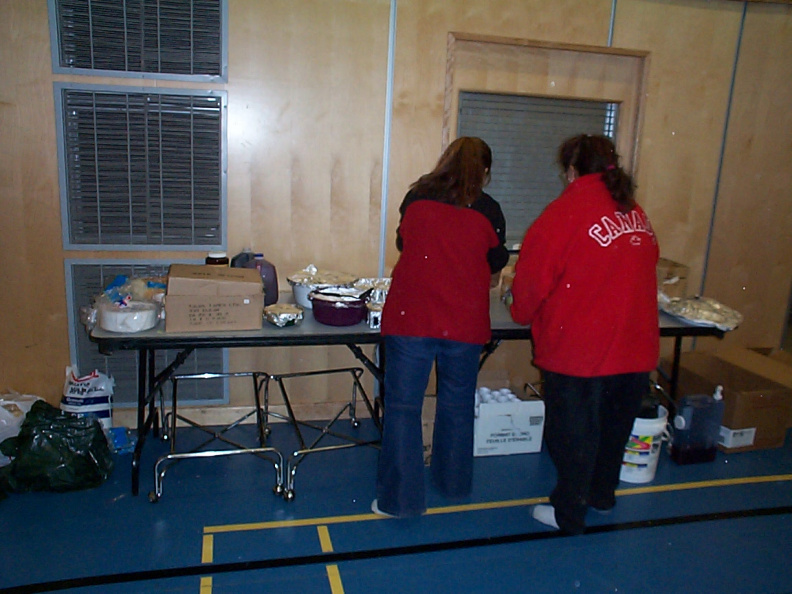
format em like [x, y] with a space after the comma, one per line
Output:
[400, 472]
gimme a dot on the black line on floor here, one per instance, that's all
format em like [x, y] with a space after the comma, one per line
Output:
[339, 557]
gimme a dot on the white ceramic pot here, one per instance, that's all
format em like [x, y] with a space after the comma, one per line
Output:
[301, 292]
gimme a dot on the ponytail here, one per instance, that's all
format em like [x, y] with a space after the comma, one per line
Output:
[596, 154]
[621, 186]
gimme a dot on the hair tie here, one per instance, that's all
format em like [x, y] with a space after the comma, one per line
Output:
[610, 167]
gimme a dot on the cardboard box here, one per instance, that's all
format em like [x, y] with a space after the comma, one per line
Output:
[207, 298]
[775, 365]
[779, 355]
[751, 401]
[672, 278]
[504, 428]
[782, 356]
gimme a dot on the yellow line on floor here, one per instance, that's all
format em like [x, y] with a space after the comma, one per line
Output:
[333, 575]
[336, 587]
[289, 523]
[324, 539]
[206, 585]
[748, 480]
[489, 505]
[467, 507]
[365, 517]
[207, 550]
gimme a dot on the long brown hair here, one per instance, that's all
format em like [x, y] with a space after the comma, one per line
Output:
[460, 174]
[597, 154]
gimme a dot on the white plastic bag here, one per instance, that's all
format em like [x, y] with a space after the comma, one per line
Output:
[13, 408]
[91, 394]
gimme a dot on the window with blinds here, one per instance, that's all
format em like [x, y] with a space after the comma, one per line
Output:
[141, 170]
[144, 38]
[88, 278]
[525, 133]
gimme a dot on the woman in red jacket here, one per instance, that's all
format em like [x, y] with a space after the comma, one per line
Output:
[585, 281]
[452, 239]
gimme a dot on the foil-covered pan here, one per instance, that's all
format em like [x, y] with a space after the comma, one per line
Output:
[284, 314]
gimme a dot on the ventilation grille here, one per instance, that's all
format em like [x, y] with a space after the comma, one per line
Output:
[142, 169]
[181, 37]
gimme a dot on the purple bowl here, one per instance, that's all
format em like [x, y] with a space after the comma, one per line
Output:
[338, 313]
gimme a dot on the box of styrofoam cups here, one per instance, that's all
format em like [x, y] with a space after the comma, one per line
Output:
[507, 423]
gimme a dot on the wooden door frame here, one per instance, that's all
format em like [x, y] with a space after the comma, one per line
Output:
[631, 65]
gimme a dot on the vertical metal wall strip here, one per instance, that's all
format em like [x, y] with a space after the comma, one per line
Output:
[386, 140]
[722, 150]
[612, 23]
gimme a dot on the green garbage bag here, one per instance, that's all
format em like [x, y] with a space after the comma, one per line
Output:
[55, 451]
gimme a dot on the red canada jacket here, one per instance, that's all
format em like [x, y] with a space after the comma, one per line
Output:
[586, 282]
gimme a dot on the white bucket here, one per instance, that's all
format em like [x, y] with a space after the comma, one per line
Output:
[643, 448]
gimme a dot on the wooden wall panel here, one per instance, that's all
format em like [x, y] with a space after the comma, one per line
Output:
[686, 103]
[33, 331]
[750, 262]
[685, 114]
[307, 83]
[306, 108]
[306, 94]
[306, 118]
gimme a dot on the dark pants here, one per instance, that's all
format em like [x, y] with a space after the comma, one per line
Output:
[588, 422]
[400, 471]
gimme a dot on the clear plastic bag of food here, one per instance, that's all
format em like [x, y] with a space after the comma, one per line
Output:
[13, 409]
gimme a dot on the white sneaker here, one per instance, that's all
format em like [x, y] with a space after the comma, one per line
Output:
[545, 514]
[379, 512]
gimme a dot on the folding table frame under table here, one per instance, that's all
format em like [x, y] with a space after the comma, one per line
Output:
[261, 382]
[308, 333]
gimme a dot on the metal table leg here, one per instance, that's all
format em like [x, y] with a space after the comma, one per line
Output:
[305, 448]
[172, 418]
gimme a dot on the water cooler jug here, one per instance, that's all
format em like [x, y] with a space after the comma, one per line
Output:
[697, 428]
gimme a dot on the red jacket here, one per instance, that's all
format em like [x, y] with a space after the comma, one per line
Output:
[586, 282]
[440, 285]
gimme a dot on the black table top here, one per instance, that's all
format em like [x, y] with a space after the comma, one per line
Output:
[313, 333]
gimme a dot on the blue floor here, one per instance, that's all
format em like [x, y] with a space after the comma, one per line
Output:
[719, 527]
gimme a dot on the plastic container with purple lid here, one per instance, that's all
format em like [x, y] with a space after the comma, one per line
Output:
[339, 306]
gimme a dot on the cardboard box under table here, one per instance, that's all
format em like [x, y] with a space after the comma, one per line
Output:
[773, 364]
[509, 427]
[756, 409]
[207, 298]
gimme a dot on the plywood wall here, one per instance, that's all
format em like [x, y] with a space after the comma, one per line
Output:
[750, 258]
[306, 91]
[306, 88]
[33, 326]
[687, 98]
[307, 112]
